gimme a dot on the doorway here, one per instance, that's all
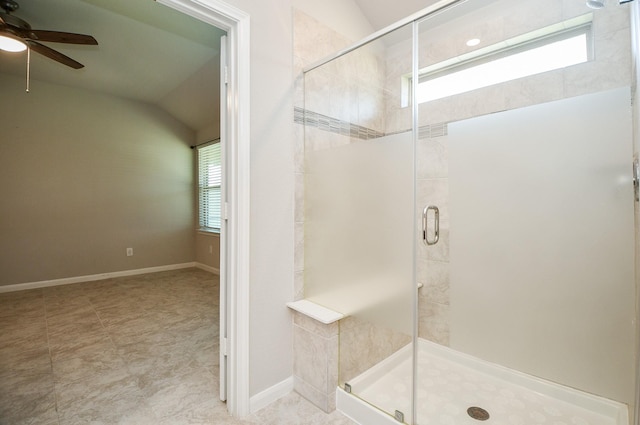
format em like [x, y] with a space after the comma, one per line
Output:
[234, 248]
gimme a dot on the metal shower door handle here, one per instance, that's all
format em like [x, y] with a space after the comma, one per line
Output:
[436, 225]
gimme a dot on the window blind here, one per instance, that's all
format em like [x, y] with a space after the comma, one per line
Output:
[209, 181]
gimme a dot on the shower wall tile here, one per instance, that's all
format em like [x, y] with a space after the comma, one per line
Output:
[432, 158]
[317, 139]
[433, 322]
[527, 16]
[318, 398]
[310, 357]
[611, 69]
[610, 19]
[364, 344]
[318, 91]
[398, 119]
[298, 285]
[342, 88]
[536, 89]
[298, 259]
[434, 192]
[437, 252]
[299, 198]
[298, 149]
[313, 40]
[317, 328]
[371, 108]
[315, 362]
[434, 276]
[572, 8]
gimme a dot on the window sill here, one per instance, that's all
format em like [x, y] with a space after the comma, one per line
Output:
[208, 232]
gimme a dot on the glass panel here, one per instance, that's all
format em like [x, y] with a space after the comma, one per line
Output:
[359, 189]
[550, 183]
[533, 272]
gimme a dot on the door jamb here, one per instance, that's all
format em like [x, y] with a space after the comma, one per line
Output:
[237, 25]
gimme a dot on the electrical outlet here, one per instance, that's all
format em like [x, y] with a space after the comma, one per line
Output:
[129, 252]
[210, 249]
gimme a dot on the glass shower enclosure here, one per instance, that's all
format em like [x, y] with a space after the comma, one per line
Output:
[469, 208]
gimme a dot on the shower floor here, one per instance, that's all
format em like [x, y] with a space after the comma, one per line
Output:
[450, 383]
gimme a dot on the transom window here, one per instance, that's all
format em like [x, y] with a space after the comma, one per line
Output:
[564, 44]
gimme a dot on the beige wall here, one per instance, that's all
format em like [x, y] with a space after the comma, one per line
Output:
[83, 176]
[271, 199]
[208, 250]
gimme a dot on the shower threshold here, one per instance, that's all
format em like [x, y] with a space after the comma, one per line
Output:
[455, 388]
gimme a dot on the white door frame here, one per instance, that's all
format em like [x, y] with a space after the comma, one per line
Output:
[237, 25]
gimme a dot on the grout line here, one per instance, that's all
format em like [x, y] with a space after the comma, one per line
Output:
[55, 386]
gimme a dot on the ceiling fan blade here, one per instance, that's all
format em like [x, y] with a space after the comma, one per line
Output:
[59, 37]
[53, 54]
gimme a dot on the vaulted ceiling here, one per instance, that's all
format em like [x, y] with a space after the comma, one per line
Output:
[147, 52]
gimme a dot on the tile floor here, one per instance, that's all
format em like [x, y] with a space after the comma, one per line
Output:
[133, 350]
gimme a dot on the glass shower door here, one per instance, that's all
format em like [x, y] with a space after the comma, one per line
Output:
[359, 209]
[534, 269]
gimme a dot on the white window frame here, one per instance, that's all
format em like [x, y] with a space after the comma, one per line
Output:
[579, 26]
[210, 187]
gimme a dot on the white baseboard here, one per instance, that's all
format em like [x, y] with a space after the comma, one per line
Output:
[268, 396]
[208, 268]
[93, 277]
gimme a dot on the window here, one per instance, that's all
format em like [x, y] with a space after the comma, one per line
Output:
[558, 46]
[209, 191]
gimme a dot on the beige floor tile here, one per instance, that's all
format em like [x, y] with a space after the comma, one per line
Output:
[30, 335]
[63, 313]
[119, 402]
[142, 359]
[294, 410]
[192, 396]
[138, 350]
[80, 347]
[97, 366]
[30, 362]
[67, 331]
[24, 398]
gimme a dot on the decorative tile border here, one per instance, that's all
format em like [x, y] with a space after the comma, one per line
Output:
[334, 125]
[433, 130]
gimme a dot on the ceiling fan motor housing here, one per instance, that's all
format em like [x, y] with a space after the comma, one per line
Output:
[9, 5]
[18, 28]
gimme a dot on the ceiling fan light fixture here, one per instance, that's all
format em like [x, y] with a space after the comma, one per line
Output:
[11, 44]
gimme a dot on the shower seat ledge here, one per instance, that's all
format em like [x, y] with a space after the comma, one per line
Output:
[315, 311]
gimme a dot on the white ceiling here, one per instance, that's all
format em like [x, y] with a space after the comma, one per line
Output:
[382, 13]
[146, 52]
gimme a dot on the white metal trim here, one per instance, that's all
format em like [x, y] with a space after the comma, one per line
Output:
[378, 34]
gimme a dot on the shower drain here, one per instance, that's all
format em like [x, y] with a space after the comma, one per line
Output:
[478, 413]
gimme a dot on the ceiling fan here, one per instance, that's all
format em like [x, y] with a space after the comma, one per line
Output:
[20, 32]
